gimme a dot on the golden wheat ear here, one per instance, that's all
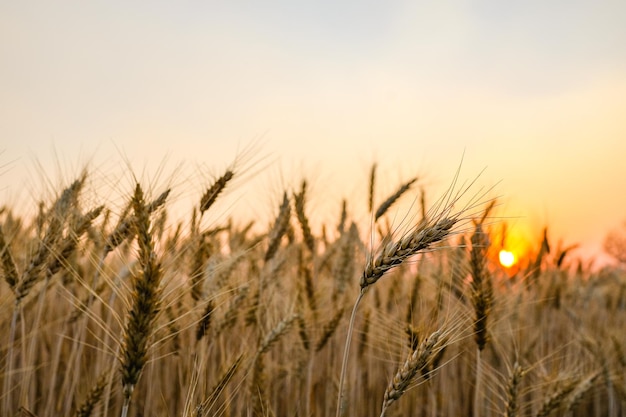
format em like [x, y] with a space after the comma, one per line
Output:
[513, 390]
[85, 409]
[8, 264]
[279, 229]
[211, 194]
[416, 362]
[146, 300]
[386, 205]
[300, 200]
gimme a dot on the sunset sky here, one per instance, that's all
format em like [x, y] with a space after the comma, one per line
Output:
[533, 93]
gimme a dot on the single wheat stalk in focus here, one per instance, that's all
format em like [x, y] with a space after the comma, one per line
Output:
[393, 253]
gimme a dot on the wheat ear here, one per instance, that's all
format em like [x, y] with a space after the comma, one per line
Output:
[482, 299]
[257, 388]
[124, 229]
[329, 329]
[512, 390]
[203, 324]
[300, 200]
[386, 205]
[145, 303]
[221, 384]
[557, 399]
[372, 183]
[417, 361]
[93, 397]
[392, 254]
[211, 194]
[8, 264]
[280, 228]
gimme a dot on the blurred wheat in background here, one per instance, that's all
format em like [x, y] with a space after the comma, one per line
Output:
[109, 311]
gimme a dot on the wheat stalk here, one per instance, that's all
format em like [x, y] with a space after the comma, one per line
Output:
[392, 254]
[146, 299]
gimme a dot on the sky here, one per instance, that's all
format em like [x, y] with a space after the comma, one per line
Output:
[528, 98]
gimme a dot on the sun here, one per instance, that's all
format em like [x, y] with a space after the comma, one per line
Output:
[507, 258]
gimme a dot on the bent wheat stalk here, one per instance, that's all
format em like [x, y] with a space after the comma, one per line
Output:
[392, 255]
[421, 238]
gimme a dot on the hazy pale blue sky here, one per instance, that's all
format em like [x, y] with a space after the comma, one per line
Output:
[535, 92]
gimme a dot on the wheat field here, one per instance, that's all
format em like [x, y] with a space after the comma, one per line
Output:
[109, 311]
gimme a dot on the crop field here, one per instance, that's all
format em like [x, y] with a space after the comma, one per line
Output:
[118, 310]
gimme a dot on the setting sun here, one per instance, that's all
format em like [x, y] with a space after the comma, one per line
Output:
[507, 259]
